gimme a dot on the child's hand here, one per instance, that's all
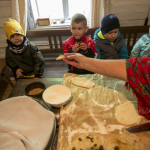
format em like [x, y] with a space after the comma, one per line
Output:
[75, 48]
[19, 72]
[83, 46]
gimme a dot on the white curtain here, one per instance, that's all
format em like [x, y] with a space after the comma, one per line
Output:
[19, 12]
[100, 8]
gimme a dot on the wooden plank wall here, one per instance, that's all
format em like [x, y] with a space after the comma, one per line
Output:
[5, 13]
[130, 12]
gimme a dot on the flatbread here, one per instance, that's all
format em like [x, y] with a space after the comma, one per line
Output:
[60, 57]
[70, 75]
[117, 144]
[126, 114]
[86, 142]
[78, 42]
[127, 141]
[82, 82]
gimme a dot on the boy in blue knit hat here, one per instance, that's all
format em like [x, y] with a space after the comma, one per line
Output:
[109, 43]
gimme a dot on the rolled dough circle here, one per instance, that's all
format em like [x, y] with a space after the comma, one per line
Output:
[82, 82]
[126, 114]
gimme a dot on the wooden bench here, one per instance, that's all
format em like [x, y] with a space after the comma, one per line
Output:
[2, 69]
[130, 34]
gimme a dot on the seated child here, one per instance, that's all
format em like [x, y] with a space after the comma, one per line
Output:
[109, 43]
[22, 56]
[79, 42]
[142, 47]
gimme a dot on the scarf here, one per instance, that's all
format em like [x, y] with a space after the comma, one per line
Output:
[18, 49]
[138, 75]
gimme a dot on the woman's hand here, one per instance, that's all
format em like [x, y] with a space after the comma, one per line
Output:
[110, 68]
[75, 59]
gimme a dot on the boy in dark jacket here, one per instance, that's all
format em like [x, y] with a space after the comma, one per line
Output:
[22, 56]
[109, 43]
[79, 42]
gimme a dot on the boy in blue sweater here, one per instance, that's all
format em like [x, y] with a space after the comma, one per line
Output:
[109, 43]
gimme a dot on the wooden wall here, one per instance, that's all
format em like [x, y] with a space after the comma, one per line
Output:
[5, 13]
[130, 12]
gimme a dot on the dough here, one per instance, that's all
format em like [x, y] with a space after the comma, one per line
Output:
[86, 142]
[60, 57]
[82, 82]
[133, 140]
[126, 114]
[127, 141]
[117, 144]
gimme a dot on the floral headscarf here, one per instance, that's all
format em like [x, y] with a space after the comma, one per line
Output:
[138, 75]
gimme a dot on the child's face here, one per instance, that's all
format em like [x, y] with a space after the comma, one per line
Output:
[112, 35]
[78, 29]
[16, 39]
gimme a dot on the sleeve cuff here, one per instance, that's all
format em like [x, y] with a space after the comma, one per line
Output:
[37, 76]
[84, 52]
[15, 69]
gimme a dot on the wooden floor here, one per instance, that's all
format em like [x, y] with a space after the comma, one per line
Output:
[53, 69]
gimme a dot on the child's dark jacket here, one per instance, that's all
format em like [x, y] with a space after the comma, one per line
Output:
[30, 61]
[110, 50]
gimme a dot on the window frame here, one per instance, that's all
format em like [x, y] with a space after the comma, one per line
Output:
[33, 14]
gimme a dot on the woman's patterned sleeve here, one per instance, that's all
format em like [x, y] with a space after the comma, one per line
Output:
[138, 70]
[138, 75]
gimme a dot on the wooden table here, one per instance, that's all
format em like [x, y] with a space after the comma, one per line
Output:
[66, 123]
[19, 90]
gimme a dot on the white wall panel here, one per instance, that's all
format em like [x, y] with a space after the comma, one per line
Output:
[130, 12]
[122, 2]
[5, 9]
[5, 13]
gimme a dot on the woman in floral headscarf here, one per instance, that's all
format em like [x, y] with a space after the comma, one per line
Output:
[135, 71]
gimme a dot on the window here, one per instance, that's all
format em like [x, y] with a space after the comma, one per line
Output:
[58, 10]
[51, 8]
